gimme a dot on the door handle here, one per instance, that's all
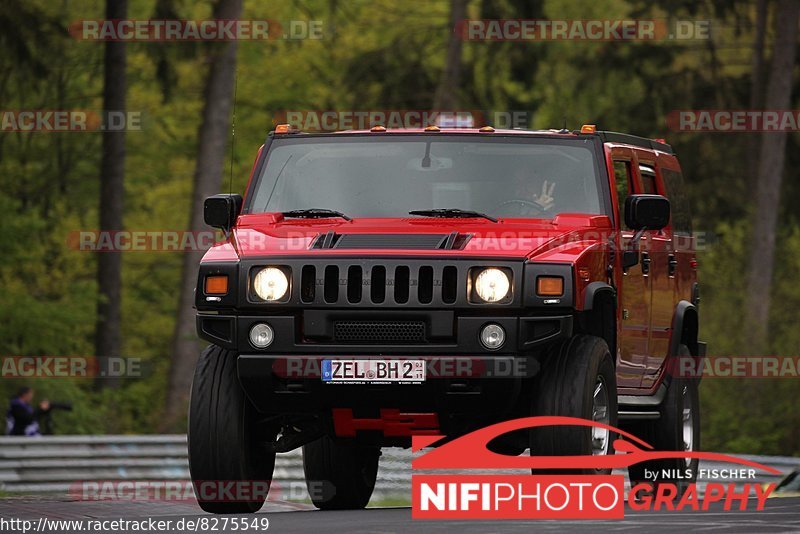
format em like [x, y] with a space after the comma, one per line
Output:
[672, 263]
[645, 263]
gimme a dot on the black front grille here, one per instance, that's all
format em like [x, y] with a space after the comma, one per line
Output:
[379, 284]
[379, 331]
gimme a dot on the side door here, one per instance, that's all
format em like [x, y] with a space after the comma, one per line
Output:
[633, 286]
[658, 264]
[683, 240]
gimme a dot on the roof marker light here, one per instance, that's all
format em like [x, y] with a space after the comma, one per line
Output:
[486, 129]
[284, 129]
[588, 129]
[432, 128]
[378, 128]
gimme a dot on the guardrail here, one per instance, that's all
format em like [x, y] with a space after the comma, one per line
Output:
[52, 464]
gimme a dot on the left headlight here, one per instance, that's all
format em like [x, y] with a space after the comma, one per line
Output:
[492, 285]
[270, 284]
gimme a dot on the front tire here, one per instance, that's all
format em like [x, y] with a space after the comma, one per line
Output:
[579, 380]
[340, 475]
[223, 442]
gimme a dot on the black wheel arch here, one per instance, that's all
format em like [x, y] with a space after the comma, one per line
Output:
[599, 316]
[685, 332]
[685, 329]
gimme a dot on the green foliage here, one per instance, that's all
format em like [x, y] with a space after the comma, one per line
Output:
[748, 414]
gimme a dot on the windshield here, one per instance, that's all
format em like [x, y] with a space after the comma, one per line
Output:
[387, 177]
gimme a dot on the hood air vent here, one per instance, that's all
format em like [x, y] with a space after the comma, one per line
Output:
[332, 240]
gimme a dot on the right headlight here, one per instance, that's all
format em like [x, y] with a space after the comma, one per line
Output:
[492, 285]
[270, 284]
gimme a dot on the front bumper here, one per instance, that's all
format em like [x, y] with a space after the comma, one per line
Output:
[463, 376]
[308, 332]
[454, 385]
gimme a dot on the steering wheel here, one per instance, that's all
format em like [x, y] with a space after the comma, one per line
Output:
[499, 209]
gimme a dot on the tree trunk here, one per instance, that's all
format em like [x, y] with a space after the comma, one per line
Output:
[108, 339]
[446, 97]
[212, 141]
[757, 84]
[770, 175]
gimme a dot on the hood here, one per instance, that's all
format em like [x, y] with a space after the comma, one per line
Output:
[269, 234]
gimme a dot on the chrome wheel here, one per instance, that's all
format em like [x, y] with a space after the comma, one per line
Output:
[600, 414]
[688, 422]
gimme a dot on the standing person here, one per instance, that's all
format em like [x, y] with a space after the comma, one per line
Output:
[22, 417]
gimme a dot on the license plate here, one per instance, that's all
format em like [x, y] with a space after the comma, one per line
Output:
[352, 371]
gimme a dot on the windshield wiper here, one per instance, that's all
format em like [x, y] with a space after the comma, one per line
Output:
[316, 213]
[451, 213]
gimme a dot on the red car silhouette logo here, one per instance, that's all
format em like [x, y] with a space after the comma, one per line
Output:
[471, 452]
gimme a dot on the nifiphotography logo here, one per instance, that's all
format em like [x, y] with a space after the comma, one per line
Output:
[498, 496]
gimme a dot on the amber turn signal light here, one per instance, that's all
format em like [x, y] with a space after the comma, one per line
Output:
[217, 285]
[549, 286]
[284, 129]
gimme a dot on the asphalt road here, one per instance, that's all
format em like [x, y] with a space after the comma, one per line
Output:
[779, 515]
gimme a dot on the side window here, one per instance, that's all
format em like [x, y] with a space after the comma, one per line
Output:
[679, 202]
[624, 180]
[648, 179]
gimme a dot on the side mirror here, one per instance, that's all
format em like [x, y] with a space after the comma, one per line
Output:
[646, 212]
[220, 211]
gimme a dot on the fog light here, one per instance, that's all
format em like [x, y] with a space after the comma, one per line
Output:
[261, 335]
[493, 336]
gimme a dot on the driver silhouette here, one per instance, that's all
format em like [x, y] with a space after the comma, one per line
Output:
[532, 196]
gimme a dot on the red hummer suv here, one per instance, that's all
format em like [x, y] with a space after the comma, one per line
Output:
[383, 283]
